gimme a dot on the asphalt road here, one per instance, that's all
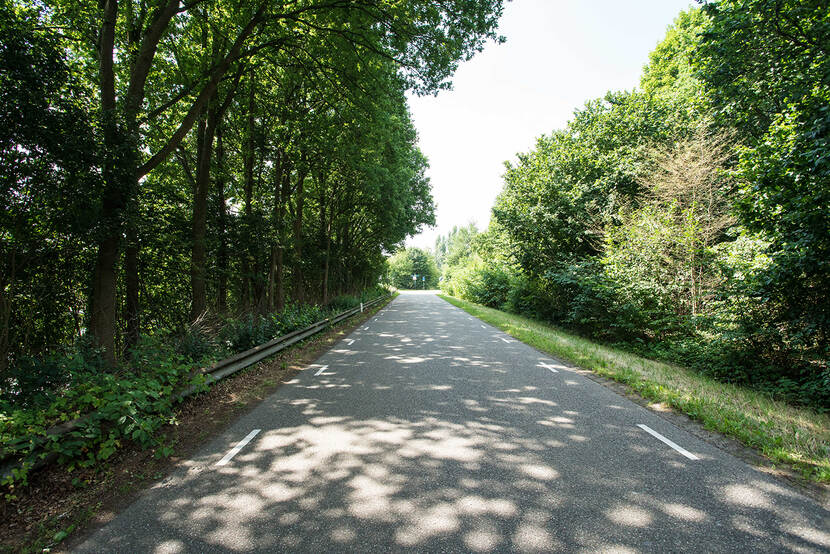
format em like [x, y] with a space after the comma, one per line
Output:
[427, 430]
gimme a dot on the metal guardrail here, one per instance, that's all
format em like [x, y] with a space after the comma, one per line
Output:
[214, 373]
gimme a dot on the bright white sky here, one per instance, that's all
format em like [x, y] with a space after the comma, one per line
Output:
[558, 54]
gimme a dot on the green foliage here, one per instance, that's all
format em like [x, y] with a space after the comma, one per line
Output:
[456, 247]
[348, 301]
[559, 197]
[49, 190]
[766, 66]
[686, 222]
[116, 407]
[252, 330]
[412, 261]
[480, 283]
[669, 72]
[252, 155]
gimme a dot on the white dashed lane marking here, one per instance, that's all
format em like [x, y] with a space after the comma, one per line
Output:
[235, 450]
[548, 366]
[660, 437]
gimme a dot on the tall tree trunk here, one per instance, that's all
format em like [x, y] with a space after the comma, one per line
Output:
[326, 263]
[6, 292]
[299, 288]
[132, 284]
[102, 308]
[121, 143]
[326, 216]
[248, 187]
[222, 223]
[200, 209]
[281, 199]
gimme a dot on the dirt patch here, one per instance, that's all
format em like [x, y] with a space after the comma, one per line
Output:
[58, 506]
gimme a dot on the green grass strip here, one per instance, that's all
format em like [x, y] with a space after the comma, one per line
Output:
[793, 436]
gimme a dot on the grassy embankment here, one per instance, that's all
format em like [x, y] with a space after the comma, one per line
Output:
[785, 434]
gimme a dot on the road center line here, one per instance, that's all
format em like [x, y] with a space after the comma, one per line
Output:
[660, 437]
[321, 370]
[235, 450]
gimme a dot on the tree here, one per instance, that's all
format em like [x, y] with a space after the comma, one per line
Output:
[766, 66]
[127, 49]
[49, 191]
[405, 264]
[560, 197]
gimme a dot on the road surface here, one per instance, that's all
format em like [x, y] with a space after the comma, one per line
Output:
[427, 430]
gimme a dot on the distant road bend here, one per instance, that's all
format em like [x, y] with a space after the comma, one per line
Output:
[427, 430]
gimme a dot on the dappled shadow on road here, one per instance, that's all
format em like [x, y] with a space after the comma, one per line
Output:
[441, 447]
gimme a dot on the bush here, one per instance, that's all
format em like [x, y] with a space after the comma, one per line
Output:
[479, 283]
[128, 405]
[35, 382]
[526, 297]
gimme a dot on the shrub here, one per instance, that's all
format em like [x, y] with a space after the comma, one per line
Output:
[128, 405]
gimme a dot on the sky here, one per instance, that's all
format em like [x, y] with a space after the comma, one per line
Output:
[558, 55]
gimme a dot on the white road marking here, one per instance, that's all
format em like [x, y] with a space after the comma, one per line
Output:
[660, 437]
[235, 450]
[350, 341]
[483, 327]
[321, 370]
[504, 339]
[548, 366]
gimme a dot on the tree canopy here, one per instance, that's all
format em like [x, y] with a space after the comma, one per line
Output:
[168, 160]
[687, 219]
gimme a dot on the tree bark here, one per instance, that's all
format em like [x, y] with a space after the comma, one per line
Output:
[103, 295]
[284, 185]
[120, 175]
[132, 284]
[222, 223]
[299, 206]
[247, 185]
[200, 209]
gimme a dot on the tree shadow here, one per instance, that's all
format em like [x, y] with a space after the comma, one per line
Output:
[417, 441]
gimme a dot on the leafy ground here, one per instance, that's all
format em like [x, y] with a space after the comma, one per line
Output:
[57, 505]
[798, 438]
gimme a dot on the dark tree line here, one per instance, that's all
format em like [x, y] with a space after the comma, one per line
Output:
[162, 159]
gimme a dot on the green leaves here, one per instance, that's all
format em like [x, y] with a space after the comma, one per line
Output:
[412, 261]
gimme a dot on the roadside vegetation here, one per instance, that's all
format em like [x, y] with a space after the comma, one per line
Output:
[131, 404]
[182, 181]
[796, 437]
[412, 268]
[56, 504]
[685, 221]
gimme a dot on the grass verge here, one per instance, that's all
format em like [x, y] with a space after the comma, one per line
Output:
[796, 437]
